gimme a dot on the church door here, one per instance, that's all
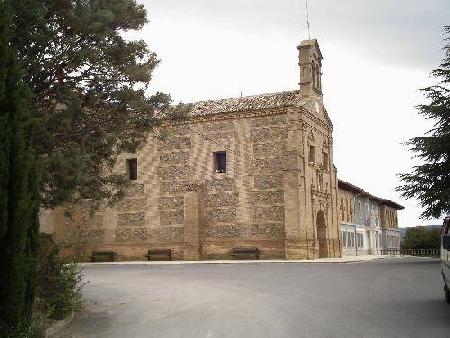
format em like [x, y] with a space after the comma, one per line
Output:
[322, 234]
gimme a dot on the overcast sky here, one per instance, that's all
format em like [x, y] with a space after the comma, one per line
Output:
[377, 54]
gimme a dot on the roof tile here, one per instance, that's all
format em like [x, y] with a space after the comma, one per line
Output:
[257, 102]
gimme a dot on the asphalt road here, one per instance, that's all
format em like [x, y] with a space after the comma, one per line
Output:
[389, 298]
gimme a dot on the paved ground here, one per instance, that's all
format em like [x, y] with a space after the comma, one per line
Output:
[384, 298]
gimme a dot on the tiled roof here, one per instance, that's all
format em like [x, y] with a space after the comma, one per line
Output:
[257, 102]
[358, 191]
[392, 204]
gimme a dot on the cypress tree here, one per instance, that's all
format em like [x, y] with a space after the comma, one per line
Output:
[19, 190]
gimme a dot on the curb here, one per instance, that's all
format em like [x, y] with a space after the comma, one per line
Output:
[317, 261]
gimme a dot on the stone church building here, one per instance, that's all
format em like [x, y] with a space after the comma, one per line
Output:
[251, 171]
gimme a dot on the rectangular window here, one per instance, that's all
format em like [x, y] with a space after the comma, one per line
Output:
[312, 154]
[132, 168]
[320, 180]
[325, 160]
[344, 239]
[360, 240]
[220, 162]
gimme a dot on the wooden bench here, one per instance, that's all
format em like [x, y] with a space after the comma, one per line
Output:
[103, 256]
[245, 253]
[159, 255]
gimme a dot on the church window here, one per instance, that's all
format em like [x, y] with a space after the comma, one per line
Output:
[317, 82]
[312, 153]
[132, 169]
[319, 181]
[325, 160]
[313, 70]
[220, 162]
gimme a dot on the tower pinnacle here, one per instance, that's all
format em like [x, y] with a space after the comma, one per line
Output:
[310, 62]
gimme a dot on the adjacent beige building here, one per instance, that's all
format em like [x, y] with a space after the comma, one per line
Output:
[368, 224]
[243, 172]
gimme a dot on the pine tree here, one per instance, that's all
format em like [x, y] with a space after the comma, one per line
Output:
[19, 190]
[89, 90]
[429, 182]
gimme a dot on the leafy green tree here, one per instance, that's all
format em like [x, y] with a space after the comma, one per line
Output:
[68, 66]
[422, 238]
[89, 83]
[429, 182]
[19, 185]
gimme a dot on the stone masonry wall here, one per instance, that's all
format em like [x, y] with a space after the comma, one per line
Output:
[179, 202]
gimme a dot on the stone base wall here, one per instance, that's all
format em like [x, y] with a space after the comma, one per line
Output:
[269, 249]
[124, 252]
[212, 250]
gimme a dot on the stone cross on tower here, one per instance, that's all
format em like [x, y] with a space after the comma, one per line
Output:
[310, 62]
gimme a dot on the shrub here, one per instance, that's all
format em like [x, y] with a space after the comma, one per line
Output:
[59, 282]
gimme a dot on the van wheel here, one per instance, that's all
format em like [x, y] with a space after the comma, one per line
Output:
[447, 294]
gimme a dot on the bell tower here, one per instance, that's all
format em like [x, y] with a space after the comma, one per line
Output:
[310, 62]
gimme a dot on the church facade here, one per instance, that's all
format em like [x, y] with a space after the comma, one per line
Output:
[252, 171]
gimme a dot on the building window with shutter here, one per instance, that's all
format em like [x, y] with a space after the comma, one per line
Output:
[132, 169]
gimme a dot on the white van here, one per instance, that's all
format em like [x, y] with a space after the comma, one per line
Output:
[445, 257]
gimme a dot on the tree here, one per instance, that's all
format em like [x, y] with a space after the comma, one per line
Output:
[422, 238]
[72, 99]
[19, 185]
[88, 83]
[429, 182]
